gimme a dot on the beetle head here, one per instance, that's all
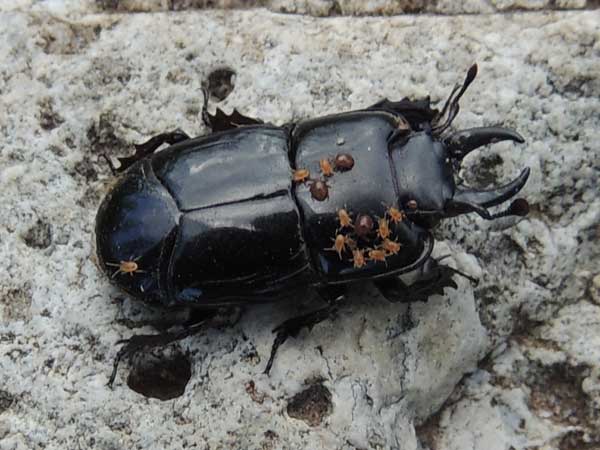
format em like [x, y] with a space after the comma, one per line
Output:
[427, 163]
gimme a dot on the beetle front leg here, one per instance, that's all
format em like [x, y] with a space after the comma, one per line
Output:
[333, 295]
[421, 284]
[147, 148]
[221, 121]
[141, 342]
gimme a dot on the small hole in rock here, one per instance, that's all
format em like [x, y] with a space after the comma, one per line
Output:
[163, 376]
[221, 82]
[39, 235]
[311, 405]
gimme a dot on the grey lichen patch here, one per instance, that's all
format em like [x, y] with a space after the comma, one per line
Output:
[47, 116]
[6, 400]
[15, 303]
[594, 289]
[85, 169]
[485, 171]
[328, 8]
[39, 235]
[174, 5]
[107, 73]
[102, 138]
[270, 441]
[311, 405]
[162, 376]
[58, 36]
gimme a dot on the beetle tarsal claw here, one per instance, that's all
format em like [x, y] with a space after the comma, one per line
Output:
[293, 326]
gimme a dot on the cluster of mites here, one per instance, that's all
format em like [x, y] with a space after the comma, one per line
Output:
[350, 236]
[319, 190]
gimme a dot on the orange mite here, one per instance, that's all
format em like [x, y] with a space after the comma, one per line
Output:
[358, 258]
[340, 243]
[326, 168]
[301, 175]
[390, 247]
[344, 218]
[384, 228]
[377, 255]
[395, 214]
[129, 267]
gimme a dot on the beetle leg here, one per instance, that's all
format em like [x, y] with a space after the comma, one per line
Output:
[147, 148]
[292, 327]
[141, 342]
[416, 112]
[429, 280]
[221, 121]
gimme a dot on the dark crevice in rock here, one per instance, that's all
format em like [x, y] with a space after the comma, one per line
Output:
[39, 235]
[311, 405]
[160, 375]
[220, 83]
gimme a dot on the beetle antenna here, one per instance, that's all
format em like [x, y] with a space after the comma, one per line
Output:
[452, 105]
[447, 104]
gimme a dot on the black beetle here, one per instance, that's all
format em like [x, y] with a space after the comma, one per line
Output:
[252, 210]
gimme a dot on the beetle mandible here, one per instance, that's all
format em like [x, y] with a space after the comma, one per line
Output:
[249, 212]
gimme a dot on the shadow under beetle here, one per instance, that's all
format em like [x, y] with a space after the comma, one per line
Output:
[252, 210]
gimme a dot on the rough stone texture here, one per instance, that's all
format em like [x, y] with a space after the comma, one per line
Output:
[513, 363]
[319, 8]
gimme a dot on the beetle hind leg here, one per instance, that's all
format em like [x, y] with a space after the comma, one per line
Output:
[293, 326]
[431, 279]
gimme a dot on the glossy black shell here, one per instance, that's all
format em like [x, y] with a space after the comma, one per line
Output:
[218, 219]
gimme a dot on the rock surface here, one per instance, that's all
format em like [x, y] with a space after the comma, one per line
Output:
[319, 8]
[512, 363]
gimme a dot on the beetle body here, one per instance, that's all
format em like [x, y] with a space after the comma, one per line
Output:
[219, 219]
[245, 214]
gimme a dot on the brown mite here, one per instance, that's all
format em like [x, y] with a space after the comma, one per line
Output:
[358, 258]
[390, 247]
[319, 190]
[326, 168]
[377, 255]
[343, 162]
[344, 218]
[301, 175]
[129, 267]
[340, 244]
[412, 204]
[363, 225]
[383, 229]
[396, 216]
